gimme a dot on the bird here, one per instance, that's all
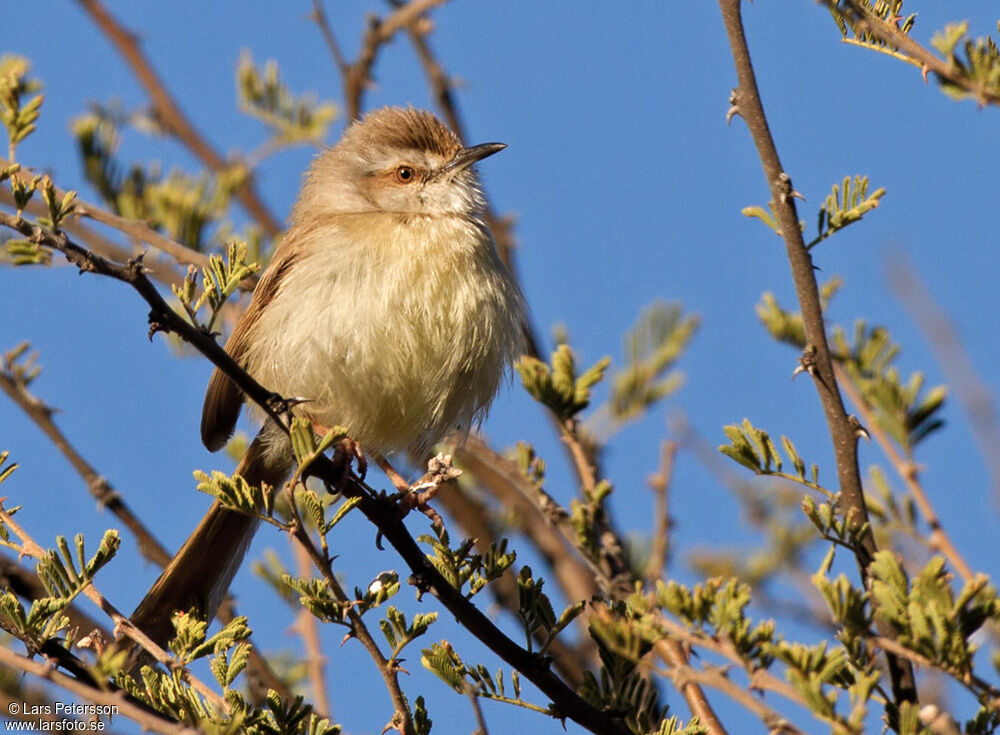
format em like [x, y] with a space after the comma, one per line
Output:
[385, 309]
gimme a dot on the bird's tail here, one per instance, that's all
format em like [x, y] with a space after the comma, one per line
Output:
[201, 572]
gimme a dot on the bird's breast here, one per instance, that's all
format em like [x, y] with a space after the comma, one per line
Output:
[398, 327]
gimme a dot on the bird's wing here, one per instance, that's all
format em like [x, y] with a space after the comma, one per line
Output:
[223, 399]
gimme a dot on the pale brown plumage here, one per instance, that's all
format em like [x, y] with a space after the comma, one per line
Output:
[385, 309]
[223, 399]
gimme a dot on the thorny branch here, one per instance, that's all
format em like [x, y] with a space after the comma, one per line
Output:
[891, 34]
[747, 102]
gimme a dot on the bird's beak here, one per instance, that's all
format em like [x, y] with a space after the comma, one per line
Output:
[468, 156]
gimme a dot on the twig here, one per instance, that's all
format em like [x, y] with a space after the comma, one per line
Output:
[746, 101]
[169, 114]
[356, 75]
[551, 532]
[98, 486]
[660, 485]
[977, 402]
[99, 244]
[760, 679]
[976, 685]
[476, 520]
[308, 627]
[146, 719]
[508, 484]
[470, 692]
[685, 676]
[674, 655]
[133, 227]
[891, 34]
[27, 584]
[909, 473]
[583, 455]
[318, 16]
[402, 720]
[31, 548]
[378, 33]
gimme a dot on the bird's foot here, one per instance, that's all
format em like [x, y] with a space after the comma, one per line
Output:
[345, 452]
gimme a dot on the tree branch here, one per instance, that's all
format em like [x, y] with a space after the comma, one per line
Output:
[308, 628]
[660, 485]
[747, 102]
[891, 34]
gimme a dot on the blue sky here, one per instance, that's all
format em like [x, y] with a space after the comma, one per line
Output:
[627, 186]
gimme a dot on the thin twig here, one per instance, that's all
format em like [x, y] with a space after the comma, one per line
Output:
[909, 473]
[509, 485]
[98, 486]
[379, 32]
[132, 227]
[676, 658]
[747, 102]
[685, 676]
[402, 720]
[146, 719]
[549, 529]
[30, 547]
[583, 454]
[977, 401]
[308, 628]
[477, 521]
[760, 679]
[169, 114]
[660, 485]
[976, 685]
[318, 16]
[891, 34]
[470, 692]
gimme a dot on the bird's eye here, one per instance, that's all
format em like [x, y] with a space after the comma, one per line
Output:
[405, 174]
